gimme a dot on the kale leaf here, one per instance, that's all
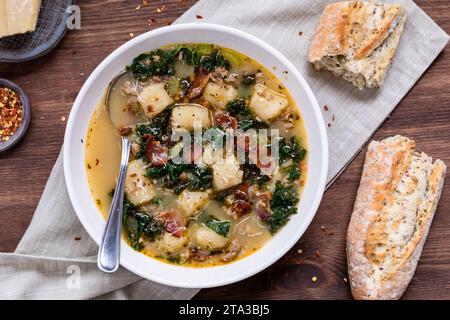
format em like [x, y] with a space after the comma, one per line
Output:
[294, 173]
[213, 61]
[239, 109]
[291, 149]
[253, 174]
[206, 59]
[222, 195]
[195, 178]
[221, 227]
[158, 127]
[198, 179]
[137, 224]
[283, 204]
[154, 63]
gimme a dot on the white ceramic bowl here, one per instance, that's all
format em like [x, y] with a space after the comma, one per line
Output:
[95, 86]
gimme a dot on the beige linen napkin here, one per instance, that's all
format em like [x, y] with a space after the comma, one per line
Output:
[50, 263]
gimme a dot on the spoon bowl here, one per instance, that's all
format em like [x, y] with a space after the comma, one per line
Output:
[109, 251]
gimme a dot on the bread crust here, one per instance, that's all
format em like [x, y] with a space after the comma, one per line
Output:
[381, 262]
[365, 34]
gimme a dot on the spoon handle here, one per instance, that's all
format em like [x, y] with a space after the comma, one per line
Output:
[109, 252]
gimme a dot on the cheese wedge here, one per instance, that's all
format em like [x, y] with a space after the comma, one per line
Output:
[18, 16]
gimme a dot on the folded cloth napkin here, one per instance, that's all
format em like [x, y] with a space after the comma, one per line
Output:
[57, 259]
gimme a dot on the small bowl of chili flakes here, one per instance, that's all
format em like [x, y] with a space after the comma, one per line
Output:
[15, 114]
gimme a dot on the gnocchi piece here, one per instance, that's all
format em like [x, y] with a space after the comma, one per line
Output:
[190, 115]
[192, 201]
[171, 244]
[154, 99]
[219, 95]
[227, 173]
[266, 103]
[208, 239]
[138, 188]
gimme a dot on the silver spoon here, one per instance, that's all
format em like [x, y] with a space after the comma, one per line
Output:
[109, 252]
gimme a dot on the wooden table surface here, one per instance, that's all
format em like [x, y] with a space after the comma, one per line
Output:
[53, 82]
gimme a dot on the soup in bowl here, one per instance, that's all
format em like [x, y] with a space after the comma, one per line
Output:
[211, 198]
[228, 159]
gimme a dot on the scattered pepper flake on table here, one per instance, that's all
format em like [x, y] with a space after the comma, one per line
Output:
[199, 16]
[161, 9]
[11, 113]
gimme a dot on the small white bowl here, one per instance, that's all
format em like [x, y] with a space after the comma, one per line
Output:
[92, 91]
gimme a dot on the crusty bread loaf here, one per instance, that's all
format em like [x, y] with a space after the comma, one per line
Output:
[357, 40]
[396, 201]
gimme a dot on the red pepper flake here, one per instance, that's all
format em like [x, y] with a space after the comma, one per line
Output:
[300, 33]
[97, 162]
[199, 16]
[325, 108]
[77, 238]
[161, 9]
[11, 113]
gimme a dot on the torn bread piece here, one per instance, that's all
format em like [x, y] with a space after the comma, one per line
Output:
[397, 197]
[357, 41]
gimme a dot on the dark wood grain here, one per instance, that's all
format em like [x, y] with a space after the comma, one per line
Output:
[53, 81]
